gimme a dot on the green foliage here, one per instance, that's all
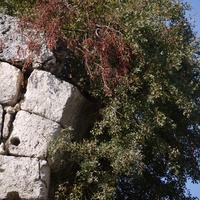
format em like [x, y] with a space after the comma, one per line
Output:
[16, 7]
[139, 61]
[96, 166]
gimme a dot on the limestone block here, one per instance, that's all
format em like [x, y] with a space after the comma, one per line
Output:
[23, 176]
[54, 99]
[10, 82]
[31, 135]
[14, 43]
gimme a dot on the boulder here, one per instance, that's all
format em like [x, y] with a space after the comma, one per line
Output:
[11, 80]
[56, 100]
[31, 135]
[24, 177]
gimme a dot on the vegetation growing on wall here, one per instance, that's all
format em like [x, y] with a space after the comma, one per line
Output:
[139, 60]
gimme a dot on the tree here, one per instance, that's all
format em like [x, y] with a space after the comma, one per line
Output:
[139, 63]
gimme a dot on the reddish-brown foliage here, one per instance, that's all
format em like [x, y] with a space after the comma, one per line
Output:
[106, 56]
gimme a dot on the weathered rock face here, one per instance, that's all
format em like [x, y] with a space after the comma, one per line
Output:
[31, 116]
[14, 44]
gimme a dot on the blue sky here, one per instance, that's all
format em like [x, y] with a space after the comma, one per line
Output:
[195, 14]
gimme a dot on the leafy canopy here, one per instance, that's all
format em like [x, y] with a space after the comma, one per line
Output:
[139, 60]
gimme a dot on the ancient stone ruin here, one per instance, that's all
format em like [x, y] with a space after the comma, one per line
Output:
[34, 107]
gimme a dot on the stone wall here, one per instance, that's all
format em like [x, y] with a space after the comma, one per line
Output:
[34, 108]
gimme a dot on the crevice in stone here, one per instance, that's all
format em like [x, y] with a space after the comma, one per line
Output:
[5, 136]
[16, 108]
[24, 83]
[62, 126]
[39, 169]
[2, 126]
[19, 156]
[9, 127]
